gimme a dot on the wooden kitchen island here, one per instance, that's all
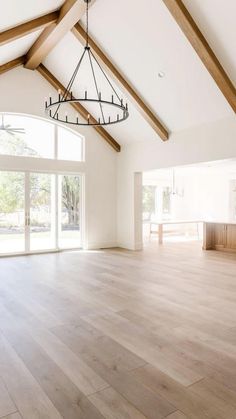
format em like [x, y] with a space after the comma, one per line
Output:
[219, 236]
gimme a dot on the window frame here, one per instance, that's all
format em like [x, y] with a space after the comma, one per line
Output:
[56, 126]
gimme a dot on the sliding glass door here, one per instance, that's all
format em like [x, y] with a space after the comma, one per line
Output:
[39, 212]
[42, 211]
[69, 233]
[12, 212]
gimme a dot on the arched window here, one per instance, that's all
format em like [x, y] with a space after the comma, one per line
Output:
[29, 136]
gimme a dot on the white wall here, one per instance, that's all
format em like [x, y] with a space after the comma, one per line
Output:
[24, 91]
[112, 208]
[215, 141]
[202, 192]
[206, 196]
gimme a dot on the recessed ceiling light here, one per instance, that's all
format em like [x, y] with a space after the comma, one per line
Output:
[161, 74]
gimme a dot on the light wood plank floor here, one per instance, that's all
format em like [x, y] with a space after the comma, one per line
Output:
[117, 334]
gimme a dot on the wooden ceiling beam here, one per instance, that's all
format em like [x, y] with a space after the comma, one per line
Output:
[78, 107]
[203, 49]
[70, 13]
[12, 64]
[28, 27]
[123, 84]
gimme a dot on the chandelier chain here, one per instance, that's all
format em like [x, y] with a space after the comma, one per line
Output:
[87, 24]
[96, 85]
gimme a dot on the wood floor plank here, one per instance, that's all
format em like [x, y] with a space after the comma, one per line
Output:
[13, 416]
[78, 371]
[70, 402]
[147, 333]
[6, 404]
[117, 374]
[84, 338]
[183, 398]
[133, 338]
[28, 396]
[176, 415]
[218, 395]
[114, 406]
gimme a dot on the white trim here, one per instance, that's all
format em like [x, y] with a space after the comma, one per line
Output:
[27, 211]
[55, 142]
[22, 164]
[100, 245]
[83, 231]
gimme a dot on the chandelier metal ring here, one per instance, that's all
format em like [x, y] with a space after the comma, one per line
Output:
[54, 109]
[54, 115]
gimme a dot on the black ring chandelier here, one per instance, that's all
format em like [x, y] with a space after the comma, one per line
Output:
[54, 109]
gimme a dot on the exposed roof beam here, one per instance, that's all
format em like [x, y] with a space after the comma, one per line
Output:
[28, 27]
[70, 13]
[128, 90]
[203, 49]
[78, 107]
[12, 64]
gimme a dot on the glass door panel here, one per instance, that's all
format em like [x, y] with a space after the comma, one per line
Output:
[42, 211]
[12, 212]
[69, 234]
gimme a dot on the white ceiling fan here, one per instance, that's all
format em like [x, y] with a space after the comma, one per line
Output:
[10, 130]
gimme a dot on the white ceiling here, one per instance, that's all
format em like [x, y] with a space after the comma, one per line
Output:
[217, 21]
[213, 167]
[142, 41]
[145, 40]
[18, 47]
[14, 12]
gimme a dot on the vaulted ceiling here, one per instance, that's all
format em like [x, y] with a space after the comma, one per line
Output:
[142, 39]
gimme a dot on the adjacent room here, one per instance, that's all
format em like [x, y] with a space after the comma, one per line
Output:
[177, 201]
[118, 209]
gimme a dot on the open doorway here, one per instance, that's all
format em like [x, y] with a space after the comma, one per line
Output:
[177, 200]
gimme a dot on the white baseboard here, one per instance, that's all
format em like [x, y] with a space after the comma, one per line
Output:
[100, 245]
[130, 246]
